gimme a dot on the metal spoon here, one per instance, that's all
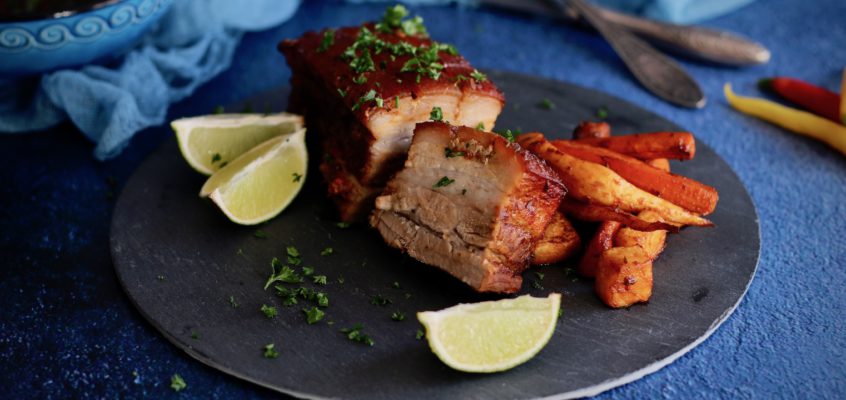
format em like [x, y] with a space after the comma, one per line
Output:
[655, 71]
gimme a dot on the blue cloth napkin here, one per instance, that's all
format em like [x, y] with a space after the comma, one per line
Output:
[676, 11]
[192, 43]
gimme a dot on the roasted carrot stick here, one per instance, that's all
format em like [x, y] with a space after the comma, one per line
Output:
[595, 184]
[602, 240]
[592, 130]
[679, 190]
[598, 213]
[647, 146]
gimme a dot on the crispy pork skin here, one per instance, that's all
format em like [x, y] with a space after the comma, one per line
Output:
[362, 90]
[470, 203]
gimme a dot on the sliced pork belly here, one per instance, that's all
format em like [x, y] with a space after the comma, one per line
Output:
[470, 203]
[363, 93]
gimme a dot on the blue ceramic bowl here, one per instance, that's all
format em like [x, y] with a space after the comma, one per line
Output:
[68, 38]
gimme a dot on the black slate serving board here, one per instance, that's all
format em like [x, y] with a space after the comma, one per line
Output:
[179, 260]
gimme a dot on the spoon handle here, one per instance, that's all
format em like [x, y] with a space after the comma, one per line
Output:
[655, 71]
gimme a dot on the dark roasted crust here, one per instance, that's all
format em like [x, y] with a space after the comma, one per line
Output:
[334, 73]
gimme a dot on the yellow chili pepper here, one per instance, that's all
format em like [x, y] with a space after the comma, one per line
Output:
[843, 98]
[801, 122]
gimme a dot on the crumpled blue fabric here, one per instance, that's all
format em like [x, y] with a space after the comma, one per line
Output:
[192, 43]
[676, 11]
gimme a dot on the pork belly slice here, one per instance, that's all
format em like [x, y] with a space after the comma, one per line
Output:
[468, 202]
[370, 138]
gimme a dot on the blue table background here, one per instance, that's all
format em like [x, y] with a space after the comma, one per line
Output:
[67, 329]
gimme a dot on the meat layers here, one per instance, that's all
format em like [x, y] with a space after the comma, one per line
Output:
[362, 90]
[470, 203]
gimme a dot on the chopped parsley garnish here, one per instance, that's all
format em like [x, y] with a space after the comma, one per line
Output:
[327, 251]
[408, 295]
[289, 297]
[540, 275]
[602, 112]
[195, 335]
[480, 126]
[160, 277]
[379, 300]
[436, 114]
[177, 383]
[424, 61]
[369, 96]
[393, 19]
[260, 234]
[328, 40]
[297, 177]
[319, 279]
[356, 335]
[536, 285]
[363, 63]
[507, 134]
[343, 225]
[286, 274]
[269, 311]
[240, 252]
[444, 181]
[313, 315]
[322, 299]
[395, 285]
[478, 76]
[419, 334]
[341, 280]
[270, 351]
[396, 101]
[450, 153]
[215, 158]
[232, 302]
[546, 104]
[292, 251]
[360, 79]
[308, 271]
[342, 92]
[560, 312]
[398, 316]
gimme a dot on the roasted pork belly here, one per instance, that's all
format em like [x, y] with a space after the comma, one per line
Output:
[362, 90]
[470, 203]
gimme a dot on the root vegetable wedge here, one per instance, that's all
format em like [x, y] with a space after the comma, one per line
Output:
[652, 242]
[592, 130]
[595, 184]
[624, 276]
[559, 241]
[602, 240]
[598, 213]
[647, 146]
[679, 190]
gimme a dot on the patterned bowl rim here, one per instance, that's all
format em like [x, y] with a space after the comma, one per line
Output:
[63, 13]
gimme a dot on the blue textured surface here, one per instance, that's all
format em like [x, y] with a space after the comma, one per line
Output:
[66, 329]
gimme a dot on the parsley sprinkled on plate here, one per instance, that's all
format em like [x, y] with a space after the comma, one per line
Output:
[177, 383]
[313, 315]
[319, 279]
[419, 334]
[270, 351]
[269, 311]
[546, 104]
[260, 234]
[380, 300]
[356, 335]
[398, 316]
[602, 112]
[343, 225]
[232, 302]
[327, 251]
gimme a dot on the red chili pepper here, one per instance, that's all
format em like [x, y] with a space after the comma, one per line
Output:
[815, 99]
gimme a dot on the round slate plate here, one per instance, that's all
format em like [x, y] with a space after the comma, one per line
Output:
[180, 261]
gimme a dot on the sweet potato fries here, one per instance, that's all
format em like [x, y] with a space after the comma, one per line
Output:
[624, 184]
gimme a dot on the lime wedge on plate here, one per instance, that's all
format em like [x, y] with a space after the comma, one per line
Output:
[210, 142]
[491, 336]
[259, 184]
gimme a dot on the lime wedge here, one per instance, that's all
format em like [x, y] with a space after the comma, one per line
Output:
[259, 184]
[210, 142]
[491, 336]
